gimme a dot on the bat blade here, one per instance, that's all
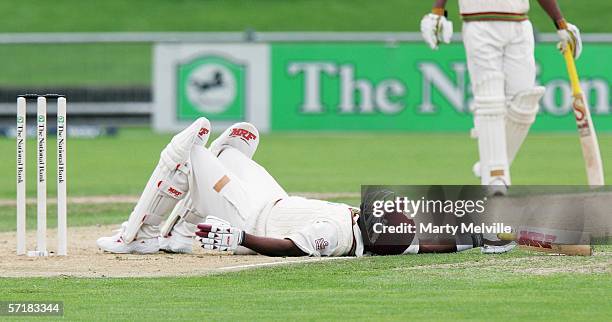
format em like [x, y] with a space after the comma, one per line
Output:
[588, 141]
[584, 123]
[550, 241]
[571, 250]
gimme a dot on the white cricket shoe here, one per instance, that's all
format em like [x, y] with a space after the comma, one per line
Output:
[497, 187]
[242, 136]
[114, 244]
[497, 249]
[476, 169]
[176, 243]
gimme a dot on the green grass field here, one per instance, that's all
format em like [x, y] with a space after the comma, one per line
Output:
[463, 287]
[468, 286]
[300, 162]
[457, 287]
[317, 162]
[130, 64]
[264, 15]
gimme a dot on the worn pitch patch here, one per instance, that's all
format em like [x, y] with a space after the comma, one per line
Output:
[86, 260]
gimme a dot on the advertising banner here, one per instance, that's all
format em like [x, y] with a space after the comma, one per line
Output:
[408, 87]
[226, 83]
[353, 86]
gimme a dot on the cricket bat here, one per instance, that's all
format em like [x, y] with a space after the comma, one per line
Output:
[584, 122]
[550, 241]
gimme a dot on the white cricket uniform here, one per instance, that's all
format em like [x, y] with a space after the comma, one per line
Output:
[499, 43]
[318, 228]
[237, 189]
[491, 6]
[498, 37]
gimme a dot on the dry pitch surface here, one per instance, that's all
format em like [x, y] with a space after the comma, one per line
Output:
[86, 260]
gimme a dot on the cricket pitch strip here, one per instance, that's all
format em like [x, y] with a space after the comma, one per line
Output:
[86, 260]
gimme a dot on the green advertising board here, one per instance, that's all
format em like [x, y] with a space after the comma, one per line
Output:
[212, 86]
[408, 87]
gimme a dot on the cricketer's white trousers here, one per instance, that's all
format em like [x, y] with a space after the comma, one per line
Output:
[231, 186]
[501, 47]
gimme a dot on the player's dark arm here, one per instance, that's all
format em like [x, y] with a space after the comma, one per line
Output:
[568, 33]
[552, 9]
[449, 245]
[438, 7]
[440, 3]
[271, 246]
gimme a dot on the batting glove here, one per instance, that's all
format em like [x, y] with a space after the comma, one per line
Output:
[570, 38]
[219, 237]
[436, 29]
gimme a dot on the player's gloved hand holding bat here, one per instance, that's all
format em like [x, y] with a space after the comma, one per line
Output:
[435, 28]
[570, 36]
[220, 237]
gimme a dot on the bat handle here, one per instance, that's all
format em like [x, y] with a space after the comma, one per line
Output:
[572, 71]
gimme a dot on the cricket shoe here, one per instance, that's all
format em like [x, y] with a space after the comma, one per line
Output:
[242, 136]
[497, 187]
[476, 169]
[176, 243]
[497, 249]
[114, 244]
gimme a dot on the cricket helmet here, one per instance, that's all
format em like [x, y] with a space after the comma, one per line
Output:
[375, 241]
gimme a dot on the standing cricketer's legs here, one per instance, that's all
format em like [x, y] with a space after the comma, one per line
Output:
[167, 185]
[522, 95]
[520, 74]
[484, 47]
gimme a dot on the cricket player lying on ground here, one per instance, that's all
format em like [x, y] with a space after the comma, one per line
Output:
[227, 201]
[499, 44]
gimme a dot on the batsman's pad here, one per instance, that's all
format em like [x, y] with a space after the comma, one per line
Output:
[489, 109]
[521, 114]
[242, 136]
[158, 198]
[185, 211]
[170, 180]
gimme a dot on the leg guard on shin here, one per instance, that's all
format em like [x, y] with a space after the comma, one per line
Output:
[168, 183]
[156, 201]
[522, 111]
[489, 112]
[181, 207]
[242, 136]
[183, 212]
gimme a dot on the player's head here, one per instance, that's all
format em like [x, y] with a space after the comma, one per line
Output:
[377, 241]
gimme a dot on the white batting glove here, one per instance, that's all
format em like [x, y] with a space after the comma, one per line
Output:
[436, 29]
[219, 237]
[570, 36]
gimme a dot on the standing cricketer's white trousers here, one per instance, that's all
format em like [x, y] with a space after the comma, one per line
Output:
[501, 62]
[505, 47]
[231, 186]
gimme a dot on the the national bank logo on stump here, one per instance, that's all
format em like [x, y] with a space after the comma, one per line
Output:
[211, 86]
